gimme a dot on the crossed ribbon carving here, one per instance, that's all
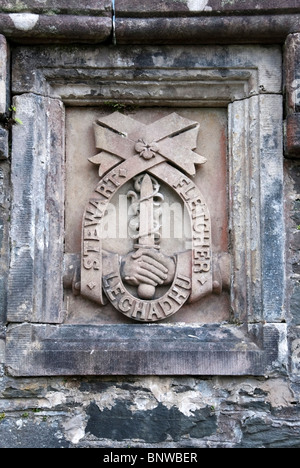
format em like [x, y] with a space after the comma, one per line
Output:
[120, 137]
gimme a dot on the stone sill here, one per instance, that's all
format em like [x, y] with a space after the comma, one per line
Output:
[38, 350]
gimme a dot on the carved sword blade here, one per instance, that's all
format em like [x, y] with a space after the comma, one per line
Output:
[146, 239]
[146, 213]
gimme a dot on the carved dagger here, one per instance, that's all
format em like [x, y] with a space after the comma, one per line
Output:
[146, 239]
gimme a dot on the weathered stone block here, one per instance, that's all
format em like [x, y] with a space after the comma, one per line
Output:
[171, 7]
[206, 29]
[136, 350]
[4, 236]
[2, 343]
[292, 139]
[4, 147]
[96, 7]
[3, 74]
[56, 21]
[35, 28]
[265, 432]
[4, 71]
[26, 433]
[226, 74]
[152, 426]
[296, 268]
[295, 175]
[295, 342]
[295, 214]
[37, 219]
[294, 304]
[292, 73]
[292, 89]
[295, 244]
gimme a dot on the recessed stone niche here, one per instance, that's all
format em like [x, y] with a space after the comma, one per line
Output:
[175, 231]
[147, 229]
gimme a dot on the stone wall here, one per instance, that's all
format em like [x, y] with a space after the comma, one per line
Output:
[155, 411]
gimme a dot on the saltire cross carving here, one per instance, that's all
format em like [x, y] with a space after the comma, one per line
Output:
[120, 137]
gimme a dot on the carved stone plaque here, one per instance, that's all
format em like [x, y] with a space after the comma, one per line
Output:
[155, 255]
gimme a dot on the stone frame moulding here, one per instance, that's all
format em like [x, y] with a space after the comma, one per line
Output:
[246, 80]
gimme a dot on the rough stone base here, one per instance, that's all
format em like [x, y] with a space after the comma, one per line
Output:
[149, 412]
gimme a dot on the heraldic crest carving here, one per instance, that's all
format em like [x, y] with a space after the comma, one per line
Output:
[146, 284]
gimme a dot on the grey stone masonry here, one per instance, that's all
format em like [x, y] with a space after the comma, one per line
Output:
[37, 208]
[246, 80]
[69, 382]
[4, 88]
[149, 22]
[4, 193]
[56, 21]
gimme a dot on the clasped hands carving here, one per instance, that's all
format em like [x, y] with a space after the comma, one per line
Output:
[147, 266]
